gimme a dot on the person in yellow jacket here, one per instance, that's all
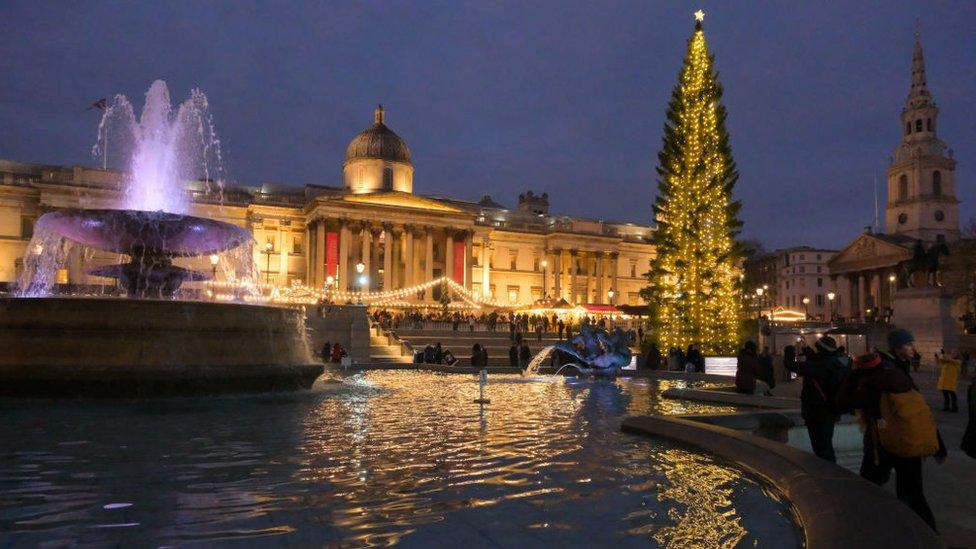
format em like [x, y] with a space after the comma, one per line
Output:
[948, 378]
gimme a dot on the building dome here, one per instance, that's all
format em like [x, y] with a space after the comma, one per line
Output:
[378, 142]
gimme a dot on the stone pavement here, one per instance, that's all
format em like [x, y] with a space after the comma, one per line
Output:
[950, 487]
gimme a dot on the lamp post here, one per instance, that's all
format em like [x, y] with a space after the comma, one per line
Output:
[545, 276]
[806, 308]
[610, 294]
[329, 281]
[759, 302]
[268, 249]
[830, 298]
[214, 259]
[892, 279]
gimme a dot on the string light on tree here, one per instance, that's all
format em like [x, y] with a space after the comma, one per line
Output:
[695, 282]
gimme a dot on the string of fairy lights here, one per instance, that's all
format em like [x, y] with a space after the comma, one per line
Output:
[697, 281]
[306, 295]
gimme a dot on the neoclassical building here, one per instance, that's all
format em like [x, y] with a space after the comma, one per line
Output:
[318, 235]
[921, 206]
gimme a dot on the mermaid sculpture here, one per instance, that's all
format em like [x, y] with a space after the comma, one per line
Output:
[597, 350]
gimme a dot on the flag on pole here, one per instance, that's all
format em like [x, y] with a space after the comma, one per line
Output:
[100, 104]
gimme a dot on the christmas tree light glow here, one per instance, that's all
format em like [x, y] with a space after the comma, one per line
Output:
[694, 286]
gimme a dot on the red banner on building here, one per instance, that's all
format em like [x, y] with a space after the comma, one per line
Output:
[459, 250]
[331, 253]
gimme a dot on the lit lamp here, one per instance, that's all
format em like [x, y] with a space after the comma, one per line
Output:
[830, 298]
[806, 308]
[214, 259]
[759, 296]
[363, 279]
[610, 294]
[329, 281]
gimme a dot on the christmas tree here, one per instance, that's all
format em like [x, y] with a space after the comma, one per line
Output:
[695, 286]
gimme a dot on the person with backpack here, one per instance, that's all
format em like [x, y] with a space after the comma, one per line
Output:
[898, 426]
[823, 372]
[948, 378]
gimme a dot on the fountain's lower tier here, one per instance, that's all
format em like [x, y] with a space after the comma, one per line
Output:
[84, 347]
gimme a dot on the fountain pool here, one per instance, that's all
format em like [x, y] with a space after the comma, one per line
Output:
[372, 459]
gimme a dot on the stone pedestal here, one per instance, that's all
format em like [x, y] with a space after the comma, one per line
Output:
[926, 312]
[133, 348]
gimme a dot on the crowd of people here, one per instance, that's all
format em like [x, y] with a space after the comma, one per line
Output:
[877, 388]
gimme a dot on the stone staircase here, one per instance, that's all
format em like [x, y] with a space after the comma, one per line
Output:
[385, 349]
[461, 342]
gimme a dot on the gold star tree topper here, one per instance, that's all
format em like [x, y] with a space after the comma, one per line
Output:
[699, 15]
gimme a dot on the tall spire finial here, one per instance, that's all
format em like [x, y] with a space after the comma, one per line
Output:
[918, 29]
[379, 114]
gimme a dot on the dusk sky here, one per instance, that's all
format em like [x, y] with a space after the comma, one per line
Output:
[501, 97]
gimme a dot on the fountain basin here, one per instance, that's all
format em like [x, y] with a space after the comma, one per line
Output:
[104, 347]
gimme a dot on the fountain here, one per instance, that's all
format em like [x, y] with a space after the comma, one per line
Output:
[153, 342]
[594, 351]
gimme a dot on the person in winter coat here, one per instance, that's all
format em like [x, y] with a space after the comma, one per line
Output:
[766, 372]
[525, 355]
[513, 356]
[476, 356]
[874, 375]
[823, 372]
[948, 378]
[747, 371]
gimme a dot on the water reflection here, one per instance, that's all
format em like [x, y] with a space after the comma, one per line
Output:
[383, 457]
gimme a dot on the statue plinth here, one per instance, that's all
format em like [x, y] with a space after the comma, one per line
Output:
[926, 312]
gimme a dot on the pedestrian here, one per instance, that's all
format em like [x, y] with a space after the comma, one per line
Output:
[484, 356]
[562, 327]
[337, 353]
[538, 331]
[513, 355]
[476, 356]
[654, 357]
[746, 370]
[878, 384]
[948, 377]
[326, 351]
[766, 367]
[965, 364]
[695, 358]
[438, 354]
[525, 355]
[824, 371]
[471, 323]
[640, 335]
[969, 437]
[429, 354]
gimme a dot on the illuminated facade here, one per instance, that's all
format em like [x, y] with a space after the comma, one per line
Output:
[320, 234]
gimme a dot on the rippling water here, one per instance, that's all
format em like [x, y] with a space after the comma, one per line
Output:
[374, 459]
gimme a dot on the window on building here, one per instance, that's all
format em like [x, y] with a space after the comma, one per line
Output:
[819, 268]
[908, 128]
[513, 259]
[633, 269]
[436, 249]
[536, 292]
[803, 269]
[903, 187]
[787, 284]
[633, 298]
[513, 294]
[940, 238]
[387, 178]
[820, 300]
[26, 227]
[918, 125]
[819, 282]
[296, 244]
[937, 183]
[536, 264]
[803, 257]
[818, 257]
[491, 291]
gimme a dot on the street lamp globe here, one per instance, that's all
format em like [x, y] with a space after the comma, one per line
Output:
[214, 259]
[806, 300]
[610, 294]
[831, 295]
[268, 246]
[360, 267]
[544, 263]
[329, 280]
[759, 291]
[891, 278]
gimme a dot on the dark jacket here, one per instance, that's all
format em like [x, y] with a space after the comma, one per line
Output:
[817, 398]
[862, 391]
[766, 370]
[513, 356]
[746, 371]
[525, 354]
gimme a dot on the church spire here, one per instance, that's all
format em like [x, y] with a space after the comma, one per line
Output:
[918, 93]
[378, 114]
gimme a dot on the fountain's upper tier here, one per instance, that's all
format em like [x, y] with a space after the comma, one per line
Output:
[137, 232]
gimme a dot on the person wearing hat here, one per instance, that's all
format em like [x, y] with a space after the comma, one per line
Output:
[823, 372]
[873, 375]
[747, 371]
